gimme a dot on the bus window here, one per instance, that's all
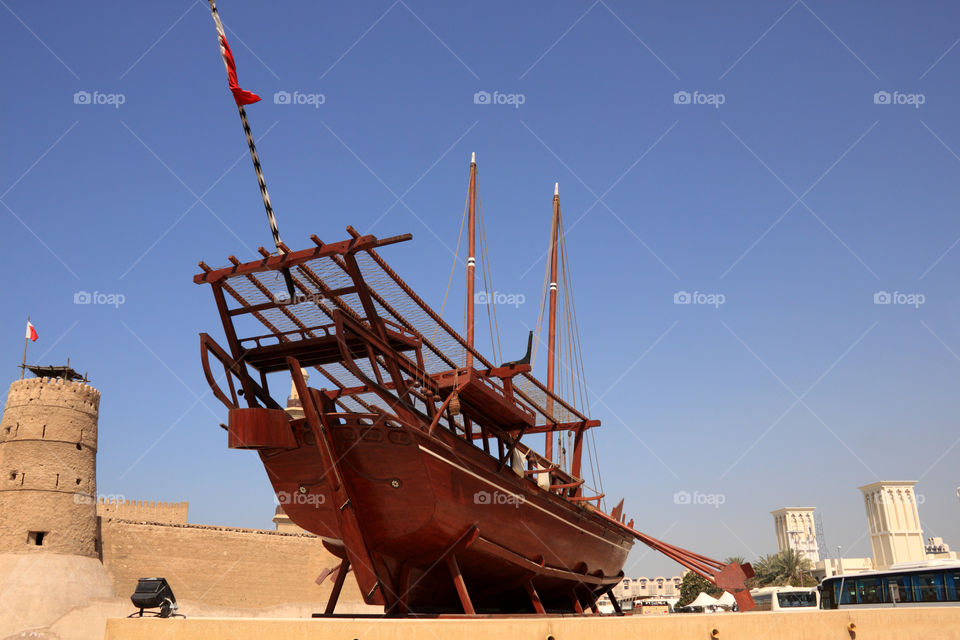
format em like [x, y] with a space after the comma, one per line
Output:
[828, 595]
[898, 589]
[869, 591]
[848, 591]
[928, 587]
[797, 599]
[763, 602]
[953, 585]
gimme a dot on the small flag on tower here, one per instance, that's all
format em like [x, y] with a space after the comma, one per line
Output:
[31, 332]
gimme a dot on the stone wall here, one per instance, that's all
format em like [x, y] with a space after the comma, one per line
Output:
[143, 510]
[48, 448]
[223, 566]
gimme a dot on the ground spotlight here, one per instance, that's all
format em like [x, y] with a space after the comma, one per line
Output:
[154, 593]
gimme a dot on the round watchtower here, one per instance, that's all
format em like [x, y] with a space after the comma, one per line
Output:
[48, 457]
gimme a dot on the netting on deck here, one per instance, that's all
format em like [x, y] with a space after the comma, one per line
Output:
[311, 315]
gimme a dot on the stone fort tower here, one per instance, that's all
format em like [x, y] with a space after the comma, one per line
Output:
[48, 451]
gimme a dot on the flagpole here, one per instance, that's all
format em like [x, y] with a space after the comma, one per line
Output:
[26, 341]
[256, 164]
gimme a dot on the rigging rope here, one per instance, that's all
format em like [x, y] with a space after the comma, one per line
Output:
[487, 271]
[456, 257]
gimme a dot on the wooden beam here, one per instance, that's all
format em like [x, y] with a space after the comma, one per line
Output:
[461, 586]
[337, 587]
[534, 597]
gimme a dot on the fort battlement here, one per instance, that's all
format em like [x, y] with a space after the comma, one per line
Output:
[143, 510]
[76, 395]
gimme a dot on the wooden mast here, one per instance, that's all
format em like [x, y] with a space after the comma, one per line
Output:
[471, 257]
[552, 322]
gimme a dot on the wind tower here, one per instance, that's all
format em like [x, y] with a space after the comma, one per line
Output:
[895, 532]
[796, 531]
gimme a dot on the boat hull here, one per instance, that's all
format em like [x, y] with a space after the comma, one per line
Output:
[422, 498]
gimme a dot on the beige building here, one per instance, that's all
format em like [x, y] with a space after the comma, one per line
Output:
[894, 522]
[796, 531]
[659, 587]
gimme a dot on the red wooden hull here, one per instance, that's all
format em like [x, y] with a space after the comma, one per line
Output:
[421, 497]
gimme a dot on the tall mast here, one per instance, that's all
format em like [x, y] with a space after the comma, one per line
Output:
[552, 322]
[471, 258]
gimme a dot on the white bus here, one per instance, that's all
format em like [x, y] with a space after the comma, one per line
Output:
[923, 584]
[785, 598]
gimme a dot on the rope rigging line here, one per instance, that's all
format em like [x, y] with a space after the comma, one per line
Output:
[487, 271]
[453, 267]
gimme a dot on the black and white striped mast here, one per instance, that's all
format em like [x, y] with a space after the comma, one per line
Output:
[222, 38]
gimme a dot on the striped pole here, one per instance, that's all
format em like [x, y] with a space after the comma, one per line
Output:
[256, 162]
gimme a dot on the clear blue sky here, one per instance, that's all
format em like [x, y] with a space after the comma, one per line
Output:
[798, 198]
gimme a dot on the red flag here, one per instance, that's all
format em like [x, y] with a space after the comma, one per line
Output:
[241, 96]
[31, 332]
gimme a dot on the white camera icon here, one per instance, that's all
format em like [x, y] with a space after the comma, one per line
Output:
[682, 497]
[881, 297]
[681, 297]
[481, 497]
[481, 97]
[881, 97]
[681, 97]
[81, 97]
[281, 97]
[82, 297]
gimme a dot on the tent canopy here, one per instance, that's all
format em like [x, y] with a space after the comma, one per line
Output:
[704, 600]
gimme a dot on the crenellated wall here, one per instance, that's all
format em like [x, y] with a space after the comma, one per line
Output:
[48, 449]
[143, 510]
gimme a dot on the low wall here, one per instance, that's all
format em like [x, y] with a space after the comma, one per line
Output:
[222, 566]
[888, 624]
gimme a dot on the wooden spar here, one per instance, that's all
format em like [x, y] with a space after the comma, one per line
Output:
[471, 257]
[552, 322]
[261, 181]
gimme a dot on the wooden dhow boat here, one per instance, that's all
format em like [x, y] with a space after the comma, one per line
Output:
[410, 460]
